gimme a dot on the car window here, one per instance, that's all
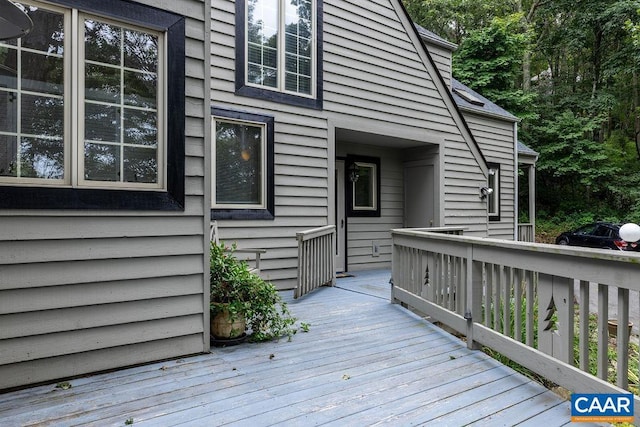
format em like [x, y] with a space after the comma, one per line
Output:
[587, 229]
[602, 231]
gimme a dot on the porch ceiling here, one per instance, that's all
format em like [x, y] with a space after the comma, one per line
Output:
[377, 139]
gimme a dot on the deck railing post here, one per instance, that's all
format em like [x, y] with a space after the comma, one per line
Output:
[473, 312]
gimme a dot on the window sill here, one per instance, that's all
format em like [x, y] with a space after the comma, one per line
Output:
[85, 199]
[240, 214]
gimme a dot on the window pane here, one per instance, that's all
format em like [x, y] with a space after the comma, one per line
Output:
[8, 68]
[140, 51]
[140, 89]
[270, 57]
[140, 127]
[8, 111]
[239, 172]
[102, 83]
[262, 39]
[101, 123]
[101, 162]
[8, 155]
[140, 164]
[48, 31]
[102, 42]
[42, 158]
[42, 115]
[291, 82]
[42, 73]
[304, 84]
[364, 187]
[130, 84]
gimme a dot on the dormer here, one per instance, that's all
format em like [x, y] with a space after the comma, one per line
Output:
[440, 49]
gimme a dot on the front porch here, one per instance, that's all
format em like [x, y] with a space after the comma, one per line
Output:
[364, 361]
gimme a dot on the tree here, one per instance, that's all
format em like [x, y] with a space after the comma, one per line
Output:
[489, 61]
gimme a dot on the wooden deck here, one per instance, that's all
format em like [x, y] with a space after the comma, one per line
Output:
[363, 362]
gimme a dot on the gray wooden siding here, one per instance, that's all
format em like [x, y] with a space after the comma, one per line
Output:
[362, 233]
[442, 58]
[497, 141]
[374, 78]
[301, 162]
[87, 291]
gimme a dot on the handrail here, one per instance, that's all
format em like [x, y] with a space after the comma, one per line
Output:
[518, 298]
[315, 259]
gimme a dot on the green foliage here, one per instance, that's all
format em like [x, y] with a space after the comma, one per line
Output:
[489, 61]
[571, 72]
[235, 288]
[570, 154]
[498, 325]
[453, 19]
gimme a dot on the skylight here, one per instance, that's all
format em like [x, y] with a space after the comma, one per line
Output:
[468, 97]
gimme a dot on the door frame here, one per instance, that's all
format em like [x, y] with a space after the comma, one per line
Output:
[341, 217]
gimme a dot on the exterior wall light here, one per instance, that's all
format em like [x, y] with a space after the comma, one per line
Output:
[353, 172]
[14, 22]
[485, 191]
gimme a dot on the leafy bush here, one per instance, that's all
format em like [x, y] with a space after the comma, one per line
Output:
[243, 293]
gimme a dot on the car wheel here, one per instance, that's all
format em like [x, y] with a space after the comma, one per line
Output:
[564, 241]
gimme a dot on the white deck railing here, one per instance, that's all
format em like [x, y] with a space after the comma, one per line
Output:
[526, 233]
[315, 259]
[522, 299]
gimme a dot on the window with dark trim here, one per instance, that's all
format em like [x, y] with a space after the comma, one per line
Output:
[242, 180]
[363, 186]
[279, 51]
[493, 199]
[111, 142]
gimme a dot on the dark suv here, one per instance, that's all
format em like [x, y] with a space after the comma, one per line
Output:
[603, 235]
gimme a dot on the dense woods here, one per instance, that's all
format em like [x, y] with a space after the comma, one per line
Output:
[569, 69]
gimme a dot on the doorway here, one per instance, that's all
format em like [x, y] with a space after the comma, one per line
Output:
[419, 209]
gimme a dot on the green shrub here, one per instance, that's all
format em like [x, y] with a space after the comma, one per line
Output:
[235, 288]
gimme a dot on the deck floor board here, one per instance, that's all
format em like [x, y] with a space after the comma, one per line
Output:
[363, 362]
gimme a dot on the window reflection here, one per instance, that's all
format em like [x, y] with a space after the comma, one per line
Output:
[239, 160]
[121, 88]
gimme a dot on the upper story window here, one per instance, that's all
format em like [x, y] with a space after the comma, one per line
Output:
[493, 199]
[83, 107]
[280, 49]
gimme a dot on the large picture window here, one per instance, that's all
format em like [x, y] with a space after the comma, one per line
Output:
[242, 159]
[83, 108]
[279, 47]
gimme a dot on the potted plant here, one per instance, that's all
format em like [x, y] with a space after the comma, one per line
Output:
[242, 300]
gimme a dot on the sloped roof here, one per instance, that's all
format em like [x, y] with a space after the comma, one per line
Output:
[523, 149]
[434, 38]
[474, 102]
[484, 107]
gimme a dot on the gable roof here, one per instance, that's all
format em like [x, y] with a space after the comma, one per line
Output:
[434, 38]
[475, 102]
[441, 85]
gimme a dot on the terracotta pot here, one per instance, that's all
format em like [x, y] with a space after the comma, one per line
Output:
[223, 328]
[612, 325]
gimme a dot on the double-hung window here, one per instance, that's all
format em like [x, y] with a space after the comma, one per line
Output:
[83, 102]
[242, 158]
[279, 50]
